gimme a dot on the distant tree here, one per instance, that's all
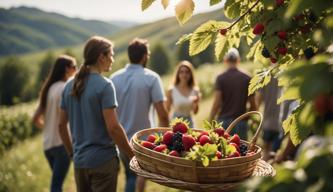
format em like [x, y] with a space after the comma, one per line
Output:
[44, 68]
[206, 56]
[14, 76]
[183, 54]
[159, 59]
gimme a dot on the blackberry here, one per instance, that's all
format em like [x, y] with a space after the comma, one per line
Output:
[309, 53]
[265, 52]
[177, 143]
[243, 149]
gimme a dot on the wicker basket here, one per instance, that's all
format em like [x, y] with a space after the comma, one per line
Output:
[262, 169]
[219, 171]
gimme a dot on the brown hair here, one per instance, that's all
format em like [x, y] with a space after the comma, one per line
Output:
[191, 83]
[137, 49]
[57, 73]
[94, 47]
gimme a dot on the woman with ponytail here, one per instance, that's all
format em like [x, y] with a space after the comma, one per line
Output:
[89, 103]
[47, 117]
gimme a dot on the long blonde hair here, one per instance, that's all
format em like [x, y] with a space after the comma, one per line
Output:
[191, 82]
[94, 47]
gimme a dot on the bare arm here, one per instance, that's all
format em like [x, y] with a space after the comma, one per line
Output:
[195, 102]
[63, 131]
[37, 118]
[162, 114]
[116, 131]
[169, 101]
[217, 103]
[252, 101]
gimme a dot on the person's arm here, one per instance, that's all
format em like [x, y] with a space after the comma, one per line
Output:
[37, 118]
[162, 114]
[169, 100]
[63, 131]
[116, 131]
[195, 102]
[288, 150]
[217, 103]
[252, 101]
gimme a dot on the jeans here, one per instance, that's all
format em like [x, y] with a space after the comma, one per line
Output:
[59, 163]
[240, 128]
[130, 175]
[102, 178]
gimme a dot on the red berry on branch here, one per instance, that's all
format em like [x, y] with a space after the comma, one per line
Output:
[258, 29]
[282, 50]
[279, 2]
[273, 60]
[305, 29]
[282, 35]
[321, 104]
[223, 31]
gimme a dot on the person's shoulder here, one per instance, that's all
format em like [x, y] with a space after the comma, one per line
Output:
[151, 73]
[245, 73]
[118, 73]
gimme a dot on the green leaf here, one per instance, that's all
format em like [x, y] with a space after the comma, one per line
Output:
[289, 123]
[205, 161]
[203, 36]
[214, 2]
[259, 81]
[165, 3]
[232, 9]
[253, 50]
[290, 93]
[184, 10]
[185, 37]
[297, 6]
[145, 4]
[221, 47]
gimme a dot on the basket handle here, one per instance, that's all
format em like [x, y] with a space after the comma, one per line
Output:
[238, 119]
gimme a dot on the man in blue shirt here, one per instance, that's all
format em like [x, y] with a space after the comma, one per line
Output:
[138, 88]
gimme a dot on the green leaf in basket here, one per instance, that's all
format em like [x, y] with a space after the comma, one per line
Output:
[223, 145]
[205, 161]
[230, 149]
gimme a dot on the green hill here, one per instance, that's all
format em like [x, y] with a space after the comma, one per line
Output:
[25, 29]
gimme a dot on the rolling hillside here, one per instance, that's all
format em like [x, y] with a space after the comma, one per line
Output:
[166, 31]
[25, 29]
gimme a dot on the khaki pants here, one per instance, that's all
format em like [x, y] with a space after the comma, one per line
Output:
[99, 179]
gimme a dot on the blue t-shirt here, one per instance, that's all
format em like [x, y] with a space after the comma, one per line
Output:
[137, 89]
[92, 144]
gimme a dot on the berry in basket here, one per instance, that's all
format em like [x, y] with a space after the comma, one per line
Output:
[207, 145]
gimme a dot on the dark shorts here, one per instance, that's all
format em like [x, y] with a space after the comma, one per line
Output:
[270, 135]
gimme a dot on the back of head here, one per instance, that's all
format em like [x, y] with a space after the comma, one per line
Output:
[94, 47]
[57, 73]
[232, 56]
[137, 48]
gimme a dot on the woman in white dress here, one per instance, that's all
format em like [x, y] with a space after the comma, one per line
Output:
[183, 95]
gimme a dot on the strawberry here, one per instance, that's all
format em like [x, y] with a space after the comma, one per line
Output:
[188, 142]
[151, 138]
[273, 60]
[282, 35]
[235, 145]
[179, 125]
[321, 104]
[282, 50]
[234, 154]
[218, 154]
[204, 139]
[148, 144]
[202, 133]
[258, 29]
[235, 139]
[160, 148]
[226, 135]
[279, 2]
[223, 31]
[167, 137]
[174, 153]
[219, 131]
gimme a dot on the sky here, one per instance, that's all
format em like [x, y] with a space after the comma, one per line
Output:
[108, 10]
